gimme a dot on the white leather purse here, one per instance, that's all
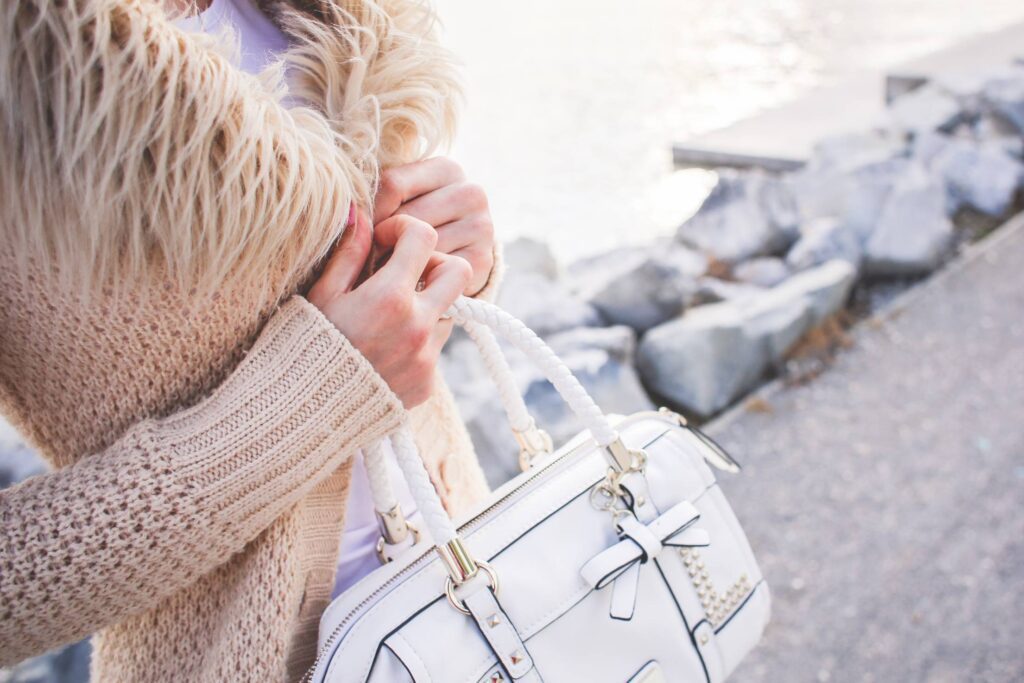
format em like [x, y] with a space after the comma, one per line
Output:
[616, 558]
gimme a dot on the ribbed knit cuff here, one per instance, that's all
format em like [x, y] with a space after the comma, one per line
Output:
[302, 400]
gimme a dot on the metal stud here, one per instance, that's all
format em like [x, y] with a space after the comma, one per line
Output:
[496, 677]
[704, 638]
[493, 620]
[516, 656]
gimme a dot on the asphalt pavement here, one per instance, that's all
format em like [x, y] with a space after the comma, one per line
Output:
[885, 499]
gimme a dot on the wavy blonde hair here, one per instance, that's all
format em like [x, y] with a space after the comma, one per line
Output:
[137, 154]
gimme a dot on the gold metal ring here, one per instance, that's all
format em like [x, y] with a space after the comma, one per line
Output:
[449, 586]
[384, 559]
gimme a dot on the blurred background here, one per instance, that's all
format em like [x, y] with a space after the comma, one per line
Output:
[795, 222]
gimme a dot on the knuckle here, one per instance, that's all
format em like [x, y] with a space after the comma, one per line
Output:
[418, 230]
[417, 337]
[463, 269]
[453, 167]
[473, 195]
[394, 303]
[391, 183]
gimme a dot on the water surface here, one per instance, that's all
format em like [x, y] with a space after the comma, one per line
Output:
[573, 106]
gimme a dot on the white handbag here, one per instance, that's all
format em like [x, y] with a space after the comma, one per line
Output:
[616, 558]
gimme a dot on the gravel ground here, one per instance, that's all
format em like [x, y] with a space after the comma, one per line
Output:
[885, 498]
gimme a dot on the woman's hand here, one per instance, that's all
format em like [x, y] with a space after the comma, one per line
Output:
[393, 318]
[435, 191]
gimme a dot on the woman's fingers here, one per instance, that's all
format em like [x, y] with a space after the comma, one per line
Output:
[346, 261]
[446, 279]
[413, 243]
[447, 204]
[400, 184]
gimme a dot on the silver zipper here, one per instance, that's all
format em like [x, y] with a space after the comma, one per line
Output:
[465, 527]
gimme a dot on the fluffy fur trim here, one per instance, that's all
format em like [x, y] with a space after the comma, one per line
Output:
[135, 154]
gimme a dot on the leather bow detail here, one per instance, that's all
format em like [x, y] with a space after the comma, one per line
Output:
[620, 564]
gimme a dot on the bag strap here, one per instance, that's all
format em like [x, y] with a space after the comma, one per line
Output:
[468, 313]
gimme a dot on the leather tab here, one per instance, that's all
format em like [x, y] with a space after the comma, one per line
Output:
[501, 634]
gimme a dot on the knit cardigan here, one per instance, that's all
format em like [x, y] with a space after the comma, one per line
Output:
[161, 215]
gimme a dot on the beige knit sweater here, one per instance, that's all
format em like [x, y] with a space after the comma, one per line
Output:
[200, 442]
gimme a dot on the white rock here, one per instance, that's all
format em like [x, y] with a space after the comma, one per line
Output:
[713, 354]
[545, 306]
[527, 255]
[653, 291]
[849, 151]
[913, 233]
[588, 275]
[764, 271]
[712, 290]
[1004, 95]
[827, 288]
[703, 360]
[777, 319]
[927, 108]
[854, 195]
[994, 131]
[824, 239]
[744, 216]
[982, 177]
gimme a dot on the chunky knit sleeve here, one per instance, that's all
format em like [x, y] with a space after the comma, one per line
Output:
[111, 535]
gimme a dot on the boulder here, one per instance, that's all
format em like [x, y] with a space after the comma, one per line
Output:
[714, 354]
[712, 290]
[746, 215]
[854, 195]
[913, 233]
[849, 151]
[924, 109]
[1003, 95]
[826, 287]
[776, 320]
[993, 131]
[764, 271]
[824, 239]
[650, 292]
[545, 306]
[984, 178]
[527, 255]
[702, 361]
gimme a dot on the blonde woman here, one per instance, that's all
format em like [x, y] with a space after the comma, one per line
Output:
[184, 337]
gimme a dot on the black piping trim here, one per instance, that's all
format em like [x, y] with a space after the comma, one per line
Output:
[686, 624]
[400, 660]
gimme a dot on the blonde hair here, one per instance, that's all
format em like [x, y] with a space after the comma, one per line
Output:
[136, 152]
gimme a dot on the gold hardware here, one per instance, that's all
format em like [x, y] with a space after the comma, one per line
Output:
[460, 564]
[625, 459]
[673, 415]
[496, 677]
[517, 656]
[382, 542]
[704, 638]
[449, 586]
[532, 442]
[493, 620]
